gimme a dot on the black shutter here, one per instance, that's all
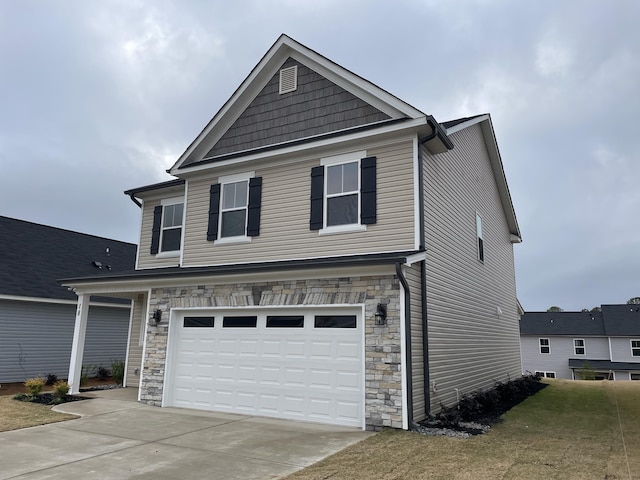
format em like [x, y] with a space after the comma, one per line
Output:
[316, 221]
[214, 212]
[368, 190]
[255, 201]
[155, 231]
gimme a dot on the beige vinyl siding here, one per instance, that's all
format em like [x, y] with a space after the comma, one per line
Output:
[134, 356]
[471, 346]
[146, 259]
[284, 225]
[412, 274]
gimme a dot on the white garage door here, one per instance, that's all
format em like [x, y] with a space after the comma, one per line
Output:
[301, 364]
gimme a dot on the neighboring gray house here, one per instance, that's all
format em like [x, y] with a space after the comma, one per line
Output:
[37, 315]
[327, 252]
[558, 344]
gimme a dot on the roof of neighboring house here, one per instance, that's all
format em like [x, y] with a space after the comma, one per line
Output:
[603, 364]
[457, 121]
[562, 323]
[33, 257]
[613, 321]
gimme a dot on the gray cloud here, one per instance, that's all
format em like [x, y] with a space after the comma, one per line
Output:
[101, 97]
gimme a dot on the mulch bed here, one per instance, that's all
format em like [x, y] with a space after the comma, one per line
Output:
[48, 398]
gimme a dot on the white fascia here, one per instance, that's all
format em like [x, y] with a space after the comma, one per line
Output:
[60, 301]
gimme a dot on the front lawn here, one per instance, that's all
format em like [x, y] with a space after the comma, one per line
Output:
[15, 414]
[569, 430]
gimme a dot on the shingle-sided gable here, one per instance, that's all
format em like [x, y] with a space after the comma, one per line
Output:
[316, 107]
[33, 257]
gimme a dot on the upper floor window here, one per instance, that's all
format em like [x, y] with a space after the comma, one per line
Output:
[578, 346]
[635, 348]
[166, 236]
[343, 193]
[480, 237]
[545, 347]
[234, 208]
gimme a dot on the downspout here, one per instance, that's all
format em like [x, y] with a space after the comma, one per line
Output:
[407, 328]
[135, 200]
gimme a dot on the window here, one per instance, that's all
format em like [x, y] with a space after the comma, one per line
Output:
[578, 346]
[239, 322]
[635, 376]
[635, 348]
[479, 237]
[343, 193]
[198, 322]
[545, 374]
[166, 235]
[335, 321]
[285, 321]
[234, 208]
[233, 218]
[544, 345]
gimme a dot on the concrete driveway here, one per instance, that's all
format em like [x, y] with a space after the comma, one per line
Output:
[120, 438]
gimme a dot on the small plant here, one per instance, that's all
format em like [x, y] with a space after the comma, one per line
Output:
[60, 390]
[117, 371]
[86, 371]
[52, 378]
[586, 372]
[102, 373]
[34, 386]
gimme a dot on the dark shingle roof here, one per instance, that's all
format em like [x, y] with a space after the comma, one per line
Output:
[562, 323]
[603, 364]
[613, 321]
[33, 257]
[458, 121]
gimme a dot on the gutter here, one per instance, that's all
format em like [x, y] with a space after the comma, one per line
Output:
[407, 328]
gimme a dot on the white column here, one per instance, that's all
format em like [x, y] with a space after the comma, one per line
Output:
[77, 348]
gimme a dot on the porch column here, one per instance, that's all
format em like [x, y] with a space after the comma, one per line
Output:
[77, 348]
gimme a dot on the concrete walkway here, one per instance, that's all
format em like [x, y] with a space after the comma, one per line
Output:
[120, 438]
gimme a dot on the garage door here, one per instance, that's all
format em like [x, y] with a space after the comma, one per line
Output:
[305, 365]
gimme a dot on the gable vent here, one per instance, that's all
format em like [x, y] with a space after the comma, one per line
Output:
[289, 79]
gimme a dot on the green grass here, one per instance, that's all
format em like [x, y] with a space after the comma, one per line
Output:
[570, 430]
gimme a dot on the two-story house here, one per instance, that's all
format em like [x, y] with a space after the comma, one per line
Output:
[326, 252]
[562, 344]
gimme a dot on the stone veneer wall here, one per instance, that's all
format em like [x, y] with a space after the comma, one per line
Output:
[383, 383]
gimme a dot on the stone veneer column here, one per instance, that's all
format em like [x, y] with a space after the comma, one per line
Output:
[383, 375]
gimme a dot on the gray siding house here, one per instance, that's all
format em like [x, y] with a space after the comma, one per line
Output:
[37, 315]
[315, 256]
[560, 344]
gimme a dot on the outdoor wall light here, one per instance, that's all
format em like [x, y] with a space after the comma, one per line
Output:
[156, 316]
[381, 314]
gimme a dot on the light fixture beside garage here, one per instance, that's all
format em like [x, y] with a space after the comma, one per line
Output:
[381, 314]
[156, 316]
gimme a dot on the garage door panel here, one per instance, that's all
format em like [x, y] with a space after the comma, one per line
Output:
[302, 373]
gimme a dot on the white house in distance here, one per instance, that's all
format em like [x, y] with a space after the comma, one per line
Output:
[314, 257]
[559, 344]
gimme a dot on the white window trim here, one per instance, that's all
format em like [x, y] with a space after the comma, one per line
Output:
[584, 346]
[480, 236]
[238, 177]
[545, 373]
[540, 345]
[165, 202]
[634, 348]
[340, 160]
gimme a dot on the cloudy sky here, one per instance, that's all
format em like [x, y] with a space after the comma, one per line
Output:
[102, 96]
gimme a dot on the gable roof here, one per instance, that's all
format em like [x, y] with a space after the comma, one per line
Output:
[33, 257]
[613, 321]
[488, 133]
[230, 130]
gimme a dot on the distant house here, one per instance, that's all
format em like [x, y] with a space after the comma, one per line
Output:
[37, 315]
[315, 257]
[561, 344]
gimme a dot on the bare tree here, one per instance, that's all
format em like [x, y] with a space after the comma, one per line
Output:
[634, 301]
[555, 309]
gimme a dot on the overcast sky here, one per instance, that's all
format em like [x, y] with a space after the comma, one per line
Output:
[99, 97]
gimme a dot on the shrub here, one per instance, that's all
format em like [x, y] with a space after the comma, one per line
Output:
[586, 372]
[34, 386]
[102, 373]
[117, 371]
[60, 390]
[51, 379]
